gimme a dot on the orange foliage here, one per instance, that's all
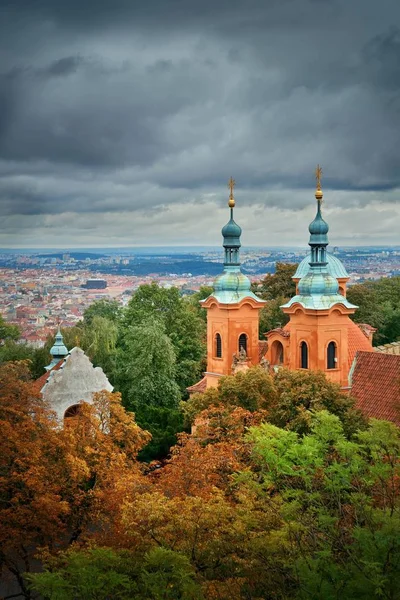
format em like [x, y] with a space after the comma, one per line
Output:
[54, 482]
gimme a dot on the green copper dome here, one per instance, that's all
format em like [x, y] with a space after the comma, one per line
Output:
[57, 351]
[318, 228]
[231, 233]
[232, 286]
[334, 266]
[318, 288]
[318, 281]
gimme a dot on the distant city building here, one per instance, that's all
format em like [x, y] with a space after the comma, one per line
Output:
[95, 284]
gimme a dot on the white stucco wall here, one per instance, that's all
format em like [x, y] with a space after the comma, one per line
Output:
[77, 380]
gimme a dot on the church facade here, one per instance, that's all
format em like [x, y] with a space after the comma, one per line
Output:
[320, 334]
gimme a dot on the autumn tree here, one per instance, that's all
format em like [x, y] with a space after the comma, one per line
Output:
[56, 483]
[252, 390]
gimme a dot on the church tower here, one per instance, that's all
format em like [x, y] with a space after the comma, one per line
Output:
[232, 311]
[320, 334]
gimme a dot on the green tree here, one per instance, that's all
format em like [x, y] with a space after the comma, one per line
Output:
[99, 341]
[98, 338]
[378, 305]
[276, 289]
[272, 316]
[278, 285]
[7, 331]
[340, 505]
[37, 358]
[182, 324]
[252, 390]
[103, 573]
[105, 308]
[146, 378]
[202, 294]
[302, 393]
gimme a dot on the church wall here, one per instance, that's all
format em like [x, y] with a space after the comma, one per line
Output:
[230, 322]
[77, 381]
[318, 331]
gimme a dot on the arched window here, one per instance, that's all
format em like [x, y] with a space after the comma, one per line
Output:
[218, 346]
[71, 415]
[243, 342]
[72, 411]
[304, 355]
[331, 355]
[277, 353]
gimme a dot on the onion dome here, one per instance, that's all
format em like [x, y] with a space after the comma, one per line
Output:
[318, 228]
[232, 285]
[318, 288]
[231, 233]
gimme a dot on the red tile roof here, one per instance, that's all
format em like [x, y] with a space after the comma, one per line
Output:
[376, 385]
[38, 384]
[357, 341]
[199, 387]
[283, 331]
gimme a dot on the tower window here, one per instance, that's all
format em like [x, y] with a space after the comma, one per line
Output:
[304, 355]
[218, 346]
[243, 342]
[331, 355]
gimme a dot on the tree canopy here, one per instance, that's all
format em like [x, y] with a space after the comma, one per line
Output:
[378, 305]
[276, 289]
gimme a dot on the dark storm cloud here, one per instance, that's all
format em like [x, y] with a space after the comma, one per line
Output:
[125, 106]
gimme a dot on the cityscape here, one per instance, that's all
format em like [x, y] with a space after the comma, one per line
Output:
[40, 289]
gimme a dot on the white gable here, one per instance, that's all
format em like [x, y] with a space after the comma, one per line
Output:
[76, 380]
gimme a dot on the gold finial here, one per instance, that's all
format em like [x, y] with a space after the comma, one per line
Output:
[318, 173]
[231, 185]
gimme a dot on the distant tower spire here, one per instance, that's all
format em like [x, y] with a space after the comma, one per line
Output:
[58, 351]
[318, 289]
[231, 232]
[318, 191]
[318, 228]
[231, 185]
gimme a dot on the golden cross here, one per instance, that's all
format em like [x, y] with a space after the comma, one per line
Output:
[231, 185]
[318, 173]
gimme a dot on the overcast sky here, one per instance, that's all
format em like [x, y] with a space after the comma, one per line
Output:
[121, 121]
